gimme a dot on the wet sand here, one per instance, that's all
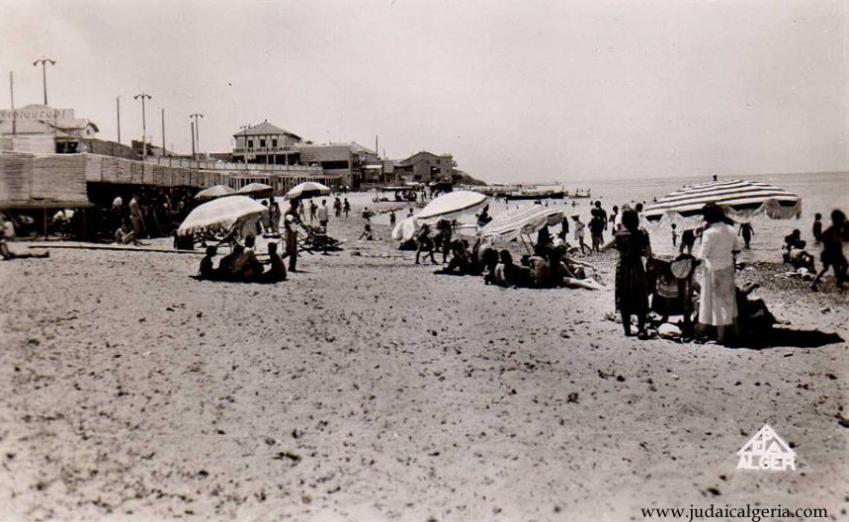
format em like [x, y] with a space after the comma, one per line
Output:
[368, 388]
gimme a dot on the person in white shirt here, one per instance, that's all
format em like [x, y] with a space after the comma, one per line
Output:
[718, 303]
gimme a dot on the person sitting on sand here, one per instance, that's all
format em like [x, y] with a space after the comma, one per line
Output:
[540, 272]
[425, 244]
[126, 235]
[800, 258]
[489, 261]
[505, 270]
[367, 235]
[460, 259]
[832, 251]
[206, 269]
[276, 269]
[792, 240]
[224, 271]
[5, 252]
[247, 267]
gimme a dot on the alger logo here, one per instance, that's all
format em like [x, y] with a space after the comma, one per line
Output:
[766, 451]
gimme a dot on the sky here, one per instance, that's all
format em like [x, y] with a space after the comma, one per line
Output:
[523, 90]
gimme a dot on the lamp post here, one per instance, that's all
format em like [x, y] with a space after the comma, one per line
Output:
[43, 62]
[143, 96]
[197, 129]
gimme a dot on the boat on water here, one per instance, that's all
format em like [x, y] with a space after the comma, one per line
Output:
[535, 194]
[579, 194]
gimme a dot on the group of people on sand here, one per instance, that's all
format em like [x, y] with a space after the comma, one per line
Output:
[831, 257]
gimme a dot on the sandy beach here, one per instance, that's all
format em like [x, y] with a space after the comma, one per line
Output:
[368, 388]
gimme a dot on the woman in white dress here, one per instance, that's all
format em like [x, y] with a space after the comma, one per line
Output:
[718, 302]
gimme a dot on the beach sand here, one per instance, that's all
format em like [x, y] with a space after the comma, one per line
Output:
[368, 388]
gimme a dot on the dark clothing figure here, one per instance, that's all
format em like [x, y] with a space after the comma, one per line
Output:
[206, 269]
[747, 232]
[544, 242]
[276, 269]
[425, 244]
[832, 251]
[632, 291]
[597, 226]
[817, 228]
[688, 240]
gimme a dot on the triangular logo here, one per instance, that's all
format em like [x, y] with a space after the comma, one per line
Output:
[766, 451]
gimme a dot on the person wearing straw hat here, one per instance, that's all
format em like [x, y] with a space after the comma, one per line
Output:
[718, 300]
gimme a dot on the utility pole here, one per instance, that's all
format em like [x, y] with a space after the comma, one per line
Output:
[143, 96]
[192, 125]
[12, 95]
[44, 62]
[163, 133]
[118, 112]
[197, 130]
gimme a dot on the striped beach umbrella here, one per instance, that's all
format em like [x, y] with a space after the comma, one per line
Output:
[221, 213]
[528, 221]
[739, 198]
[308, 189]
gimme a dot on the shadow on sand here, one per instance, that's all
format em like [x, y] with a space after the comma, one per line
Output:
[790, 338]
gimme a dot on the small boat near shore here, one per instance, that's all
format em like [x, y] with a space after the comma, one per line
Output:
[535, 194]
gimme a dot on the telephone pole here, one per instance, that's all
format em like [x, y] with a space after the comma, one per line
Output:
[118, 113]
[143, 96]
[192, 127]
[163, 132]
[44, 62]
[12, 95]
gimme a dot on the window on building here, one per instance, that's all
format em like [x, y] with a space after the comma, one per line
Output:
[250, 144]
[274, 143]
[262, 143]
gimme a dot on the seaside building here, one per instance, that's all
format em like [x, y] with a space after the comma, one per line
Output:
[266, 143]
[424, 167]
[348, 160]
[42, 129]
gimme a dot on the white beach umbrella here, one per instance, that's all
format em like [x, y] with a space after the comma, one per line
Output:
[528, 221]
[740, 198]
[308, 189]
[215, 191]
[405, 230]
[254, 188]
[451, 205]
[221, 213]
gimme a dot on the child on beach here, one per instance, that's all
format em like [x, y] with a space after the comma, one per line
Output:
[832, 251]
[206, 269]
[425, 244]
[674, 235]
[579, 233]
[817, 228]
[747, 232]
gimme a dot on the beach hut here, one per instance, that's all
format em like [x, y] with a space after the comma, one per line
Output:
[255, 189]
[215, 191]
[529, 221]
[451, 205]
[309, 189]
[741, 200]
[222, 213]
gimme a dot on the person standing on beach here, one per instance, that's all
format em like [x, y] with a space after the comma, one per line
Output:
[323, 215]
[274, 215]
[747, 232]
[597, 226]
[674, 235]
[564, 229]
[817, 228]
[424, 244]
[392, 218]
[718, 301]
[291, 242]
[688, 241]
[337, 207]
[832, 251]
[313, 209]
[579, 233]
[136, 219]
[632, 289]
